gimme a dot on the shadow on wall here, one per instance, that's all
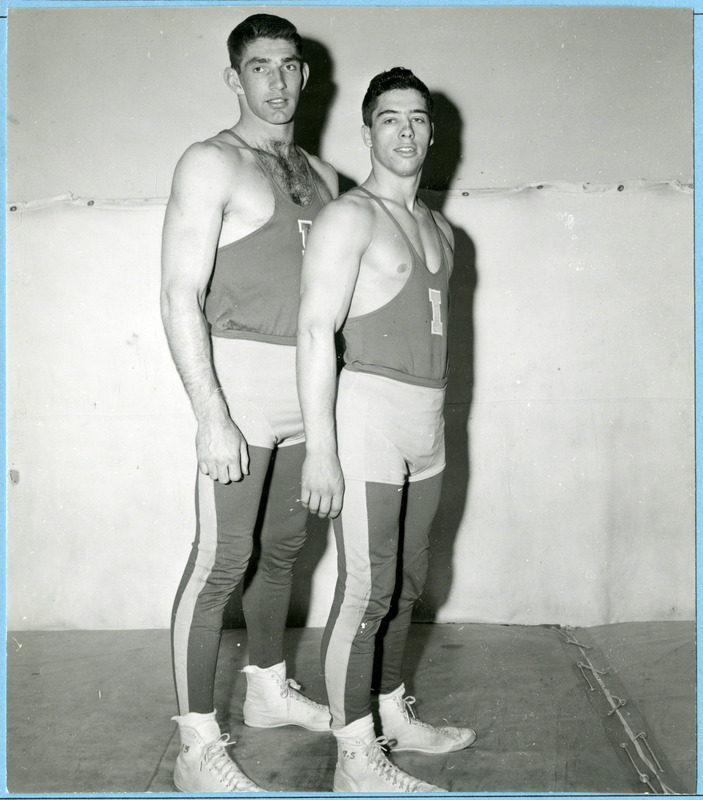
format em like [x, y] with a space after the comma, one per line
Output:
[445, 152]
[316, 98]
[315, 102]
[440, 168]
[457, 474]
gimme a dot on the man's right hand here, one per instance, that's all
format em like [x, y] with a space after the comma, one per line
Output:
[222, 451]
[322, 484]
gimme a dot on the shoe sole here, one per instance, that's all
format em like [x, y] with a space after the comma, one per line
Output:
[341, 786]
[200, 791]
[286, 724]
[433, 751]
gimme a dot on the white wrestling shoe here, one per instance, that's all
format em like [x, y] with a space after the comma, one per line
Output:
[203, 764]
[273, 700]
[406, 732]
[362, 765]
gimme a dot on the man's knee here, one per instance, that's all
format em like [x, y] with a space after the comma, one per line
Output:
[279, 553]
[226, 573]
[414, 577]
[377, 610]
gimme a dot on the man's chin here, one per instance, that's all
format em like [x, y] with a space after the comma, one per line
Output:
[409, 171]
[278, 116]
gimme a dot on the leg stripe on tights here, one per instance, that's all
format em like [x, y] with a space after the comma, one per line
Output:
[186, 604]
[357, 591]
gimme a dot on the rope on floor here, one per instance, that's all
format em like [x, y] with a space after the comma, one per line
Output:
[646, 764]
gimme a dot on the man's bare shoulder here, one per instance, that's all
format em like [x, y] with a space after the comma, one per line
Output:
[352, 209]
[444, 227]
[325, 171]
[214, 158]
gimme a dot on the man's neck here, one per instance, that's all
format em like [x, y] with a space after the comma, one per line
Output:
[275, 139]
[400, 190]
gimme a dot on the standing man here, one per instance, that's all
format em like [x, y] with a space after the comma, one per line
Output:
[234, 235]
[377, 267]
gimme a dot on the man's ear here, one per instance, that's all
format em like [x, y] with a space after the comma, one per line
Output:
[366, 135]
[431, 134]
[306, 74]
[231, 77]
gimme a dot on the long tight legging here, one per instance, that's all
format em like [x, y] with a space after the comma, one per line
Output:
[226, 520]
[382, 540]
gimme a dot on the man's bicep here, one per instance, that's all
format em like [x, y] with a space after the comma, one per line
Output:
[192, 227]
[187, 254]
[330, 270]
[325, 296]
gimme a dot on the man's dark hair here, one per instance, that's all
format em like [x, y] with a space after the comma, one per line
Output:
[396, 78]
[261, 26]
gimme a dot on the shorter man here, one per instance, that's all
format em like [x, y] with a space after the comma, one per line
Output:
[377, 267]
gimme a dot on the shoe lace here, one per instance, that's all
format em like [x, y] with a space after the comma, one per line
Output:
[375, 752]
[215, 756]
[408, 703]
[411, 717]
[289, 686]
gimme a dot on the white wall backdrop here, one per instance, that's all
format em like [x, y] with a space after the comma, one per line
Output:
[569, 495]
[103, 101]
[570, 487]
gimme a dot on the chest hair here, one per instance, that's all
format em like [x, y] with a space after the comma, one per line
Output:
[289, 168]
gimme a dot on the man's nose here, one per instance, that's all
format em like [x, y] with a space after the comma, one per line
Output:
[407, 131]
[278, 79]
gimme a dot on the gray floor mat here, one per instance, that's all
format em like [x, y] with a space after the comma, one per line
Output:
[90, 711]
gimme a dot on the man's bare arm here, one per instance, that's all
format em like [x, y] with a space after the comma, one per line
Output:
[448, 234]
[327, 173]
[337, 241]
[191, 232]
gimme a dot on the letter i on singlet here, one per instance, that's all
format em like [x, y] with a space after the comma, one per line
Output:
[304, 226]
[436, 301]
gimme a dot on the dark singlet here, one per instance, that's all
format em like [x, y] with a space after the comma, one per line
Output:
[254, 292]
[406, 338]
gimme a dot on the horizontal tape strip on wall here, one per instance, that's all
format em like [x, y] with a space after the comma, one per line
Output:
[572, 188]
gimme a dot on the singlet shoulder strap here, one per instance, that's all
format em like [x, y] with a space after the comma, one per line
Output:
[314, 177]
[395, 221]
[441, 238]
[272, 180]
[238, 138]
[273, 183]
[252, 150]
[442, 249]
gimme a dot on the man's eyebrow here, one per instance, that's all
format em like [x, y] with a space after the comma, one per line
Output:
[412, 111]
[263, 60]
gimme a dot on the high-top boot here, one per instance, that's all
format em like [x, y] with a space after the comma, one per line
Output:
[273, 700]
[362, 765]
[406, 732]
[203, 764]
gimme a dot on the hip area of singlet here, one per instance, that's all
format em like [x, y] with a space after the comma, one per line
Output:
[394, 393]
[261, 370]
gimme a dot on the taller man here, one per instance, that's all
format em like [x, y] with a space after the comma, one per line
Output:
[234, 235]
[377, 267]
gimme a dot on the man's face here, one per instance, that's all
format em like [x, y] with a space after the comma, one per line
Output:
[400, 132]
[271, 77]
